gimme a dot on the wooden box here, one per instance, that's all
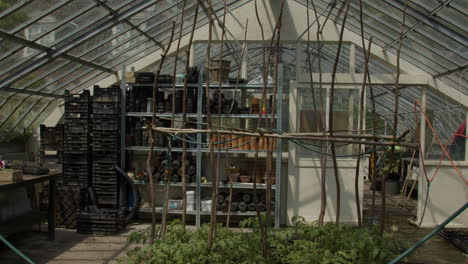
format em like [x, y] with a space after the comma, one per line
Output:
[10, 175]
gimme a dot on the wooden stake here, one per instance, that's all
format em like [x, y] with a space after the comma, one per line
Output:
[330, 117]
[184, 117]
[150, 132]
[395, 117]
[361, 124]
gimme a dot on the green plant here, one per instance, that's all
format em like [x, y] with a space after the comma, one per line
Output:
[390, 163]
[302, 243]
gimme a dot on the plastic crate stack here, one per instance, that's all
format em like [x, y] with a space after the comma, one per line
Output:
[51, 152]
[106, 145]
[104, 221]
[77, 139]
[51, 140]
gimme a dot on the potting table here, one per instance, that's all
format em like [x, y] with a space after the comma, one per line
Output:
[27, 220]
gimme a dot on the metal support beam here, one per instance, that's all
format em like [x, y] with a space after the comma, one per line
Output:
[70, 44]
[48, 50]
[428, 21]
[15, 90]
[113, 12]
[461, 68]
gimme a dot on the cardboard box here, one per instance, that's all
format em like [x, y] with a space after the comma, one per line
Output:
[131, 77]
[10, 175]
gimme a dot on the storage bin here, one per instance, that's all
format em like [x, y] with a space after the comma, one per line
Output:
[175, 204]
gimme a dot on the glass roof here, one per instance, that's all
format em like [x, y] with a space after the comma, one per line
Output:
[48, 46]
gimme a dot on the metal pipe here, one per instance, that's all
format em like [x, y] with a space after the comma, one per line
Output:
[428, 236]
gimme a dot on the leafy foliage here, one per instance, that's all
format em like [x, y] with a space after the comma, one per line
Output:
[302, 243]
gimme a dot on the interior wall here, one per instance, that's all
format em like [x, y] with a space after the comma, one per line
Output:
[447, 193]
[304, 189]
[304, 179]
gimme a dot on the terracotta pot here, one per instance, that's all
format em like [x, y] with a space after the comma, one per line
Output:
[228, 138]
[252, 144]
[261, 144]
[245, 178]
[273, 180]
[247, 145]
[258, 179]
[244, 146]
[234, 177]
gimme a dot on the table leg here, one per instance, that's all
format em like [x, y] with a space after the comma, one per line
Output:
[51, 211]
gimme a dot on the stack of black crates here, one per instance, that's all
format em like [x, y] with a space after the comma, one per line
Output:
[105, 215]
[106, 146]
[77, 140]
[51, 153]
[51, 141]
[76, 165]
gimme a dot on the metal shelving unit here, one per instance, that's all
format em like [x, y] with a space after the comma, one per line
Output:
[235, 185]
[200, 117]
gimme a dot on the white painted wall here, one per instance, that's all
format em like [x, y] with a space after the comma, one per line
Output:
[303, 193]
[447, 194]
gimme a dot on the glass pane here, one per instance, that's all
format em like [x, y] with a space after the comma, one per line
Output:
[345, 113]
[14, 19]
[448, 120]
[16, 60]
[31, 81]
[327, 54]
[376, 65]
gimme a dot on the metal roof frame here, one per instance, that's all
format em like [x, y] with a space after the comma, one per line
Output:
[115, 19]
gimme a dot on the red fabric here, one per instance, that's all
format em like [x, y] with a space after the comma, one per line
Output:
[460, 131]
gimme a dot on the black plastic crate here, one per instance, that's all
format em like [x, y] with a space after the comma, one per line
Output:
[68, 202]
[51, 147]
[105, 123]
[70, 116]
[77, 139]
[106, 108]
[85, 96]
[77, 182]
[104, 221]
[70, 158]
[106, 95]
[105, 146]
[103, 171]
[103, 180]
[106, 192]
[112, 135]
[76, 122]
[76, 148]
[76, 167]
[77, 128]
[106, 157]
[51, 135]
[82, 109]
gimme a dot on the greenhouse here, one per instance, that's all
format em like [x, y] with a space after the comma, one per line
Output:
[224, 131]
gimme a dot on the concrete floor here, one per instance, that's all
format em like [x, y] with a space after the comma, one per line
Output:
[69, 247]
[73, 248]
[434, 251]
